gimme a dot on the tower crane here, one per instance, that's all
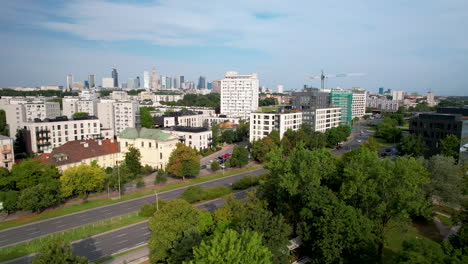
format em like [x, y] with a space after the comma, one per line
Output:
[322, 76]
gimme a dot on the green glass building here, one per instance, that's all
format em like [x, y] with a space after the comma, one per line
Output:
[344, 100]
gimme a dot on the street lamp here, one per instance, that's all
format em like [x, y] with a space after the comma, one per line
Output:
[118, 173]
[157, 201]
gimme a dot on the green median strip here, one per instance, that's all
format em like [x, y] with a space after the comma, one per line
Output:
[32, 246]
[97, 203]
[118, 255]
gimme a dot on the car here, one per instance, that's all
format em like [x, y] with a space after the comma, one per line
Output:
[203, 167]
[210, 161]
[359, 141]
[339, 147]
[222, 166]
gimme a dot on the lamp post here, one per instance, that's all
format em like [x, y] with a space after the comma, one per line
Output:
[157, 201]
[118, 173]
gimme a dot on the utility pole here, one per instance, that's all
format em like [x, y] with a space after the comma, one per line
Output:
[118, 172]
[157, 201]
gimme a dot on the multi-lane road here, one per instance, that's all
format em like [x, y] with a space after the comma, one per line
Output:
[120, 240]
[46, 227]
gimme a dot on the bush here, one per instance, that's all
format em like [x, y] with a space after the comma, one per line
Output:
[195, 194]
[246, 182]
[147, 170]
[215, 166]
[161, 177]
[148, 210]
[140, 183]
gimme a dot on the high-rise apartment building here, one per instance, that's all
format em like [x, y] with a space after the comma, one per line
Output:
[41, 111]
[115, 76]
[262, 124]
[430, 99]
[216, 86]
[108, 83]
[91, 81]
[146, 80]
[201, 82]
[154, 79]
[359, 102]
[69, 85]
[280, 89]
[398, 95]
[344, 100]
[7, 157]
[239, 94]
[125, 114]
[308, 101]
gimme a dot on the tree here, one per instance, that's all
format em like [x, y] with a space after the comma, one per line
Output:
[132, 162]
[145, 117]
[168, 225]
[81, 180]
[412, 145]
[384, 190]
[242, 131]
[267, 102]
[228, 136]
[252, 214]
[230, 247]
[80, 115]
[9, 200]
[371, 144]
[19, 145]
[388, 131]
[422, 251]
[240, 157]
[40, 197]
[336, 135]
[275, 136]
[183, 248]
[334, 232]
[161, 176]
[215, 135]
[446, 179]
[215, 166]
[3, 124]
[449, 146]
[184, 162]
[31, 172]
[261, 147]
[7, 182]
[57, 251]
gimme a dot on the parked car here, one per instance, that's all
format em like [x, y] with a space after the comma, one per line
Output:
[339, 147]
[203, 167]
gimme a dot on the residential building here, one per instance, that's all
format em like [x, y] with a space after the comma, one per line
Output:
[344, 100]
[108, 83]
[195, 137]
[7, 156]
[398, 95]
[430, 99]
[43, 136]
[326, 118]
[433, 127]
[185, 119]
[358, 106]
[307, 101]
[15, 115]
[261, 123]
[115, 77]
[88, 95]
[74, 105]
[280, 89]
[41, 110]
[105, 114]
[280, 99]
[69, 85]
[125, 114]
[77, 152]
[119, 95]
[51, 87]
[239, 94]
[383, 104]
[154, 145]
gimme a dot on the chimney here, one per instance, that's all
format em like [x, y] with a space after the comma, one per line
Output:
[100, 142]
[85, 144]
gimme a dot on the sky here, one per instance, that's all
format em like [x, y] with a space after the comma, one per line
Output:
[410, 45]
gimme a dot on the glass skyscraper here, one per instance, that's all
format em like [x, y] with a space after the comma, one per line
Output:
[344, 100]
[115, 76]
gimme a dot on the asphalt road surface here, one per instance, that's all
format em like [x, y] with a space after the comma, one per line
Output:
[46, 227]
[107, 244]
[359, 135]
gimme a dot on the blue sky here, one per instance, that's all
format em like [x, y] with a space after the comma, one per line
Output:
[411, 45]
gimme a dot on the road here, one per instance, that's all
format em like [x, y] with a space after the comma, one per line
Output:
[357, 138]
[46, 227]
[107, 244]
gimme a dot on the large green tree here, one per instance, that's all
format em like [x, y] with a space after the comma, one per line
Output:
[9, 200]
[384, 190]
[183, 249]
[81, 180]
[3, 123]
[169, 224]
[132, 162]
[184, 162]
[40, 197]
[423, 251]
[262, 147]
[240, 157]
[31, 172]
[57, 252]
[388, 130]
[230, 247]
[412, 145]
[449, 146]
[145, 117]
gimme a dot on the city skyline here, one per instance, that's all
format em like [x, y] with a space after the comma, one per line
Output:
[415, 46]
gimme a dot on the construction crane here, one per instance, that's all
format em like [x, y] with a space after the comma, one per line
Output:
[323, 76]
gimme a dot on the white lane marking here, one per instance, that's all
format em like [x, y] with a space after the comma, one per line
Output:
[3, 240]
[61, 225]
[147, 233]
[121, 235]
[58, 222]
[123, 241]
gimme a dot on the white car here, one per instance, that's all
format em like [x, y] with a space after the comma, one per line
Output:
[359, 141]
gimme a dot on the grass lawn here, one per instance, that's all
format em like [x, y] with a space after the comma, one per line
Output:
[97, 203]
[395, 237]
[445, 220]
[382, 143]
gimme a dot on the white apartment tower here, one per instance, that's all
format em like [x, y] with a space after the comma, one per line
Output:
[239, 94]
[398, 95]
[146, 80]
[358, 107]
[125, 115]
[261, 124]
[326, 118]
[69, 82]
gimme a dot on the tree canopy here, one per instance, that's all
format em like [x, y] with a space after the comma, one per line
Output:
[184, 162]
[81, 180]
[57, 251]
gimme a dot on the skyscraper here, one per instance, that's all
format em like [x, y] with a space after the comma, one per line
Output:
[239, 94]
[146, 80]
[69, 82]
[86, 84]
[176, 83]
[381, 90]
[201, 82]
[115, 76]
[137, 82]
[182, 79]
[91, 81]
[154, 79]
[168, 83]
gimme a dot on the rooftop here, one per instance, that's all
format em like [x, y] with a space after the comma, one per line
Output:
[189, 129]
[75, 151]
[147, 133]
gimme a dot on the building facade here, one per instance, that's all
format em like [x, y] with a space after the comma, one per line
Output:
[125, 114]
[7, 158]
[344, 100]
[383, 104]
[239, 94]
[154, 145]
[261, 124]
[307, 101]
[41, 110]
[195, 137]
[326, 118]
[358, 106]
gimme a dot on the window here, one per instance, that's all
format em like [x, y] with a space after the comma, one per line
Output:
[160, 155]
[149, 144]
[126, 144]
[142, 144]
